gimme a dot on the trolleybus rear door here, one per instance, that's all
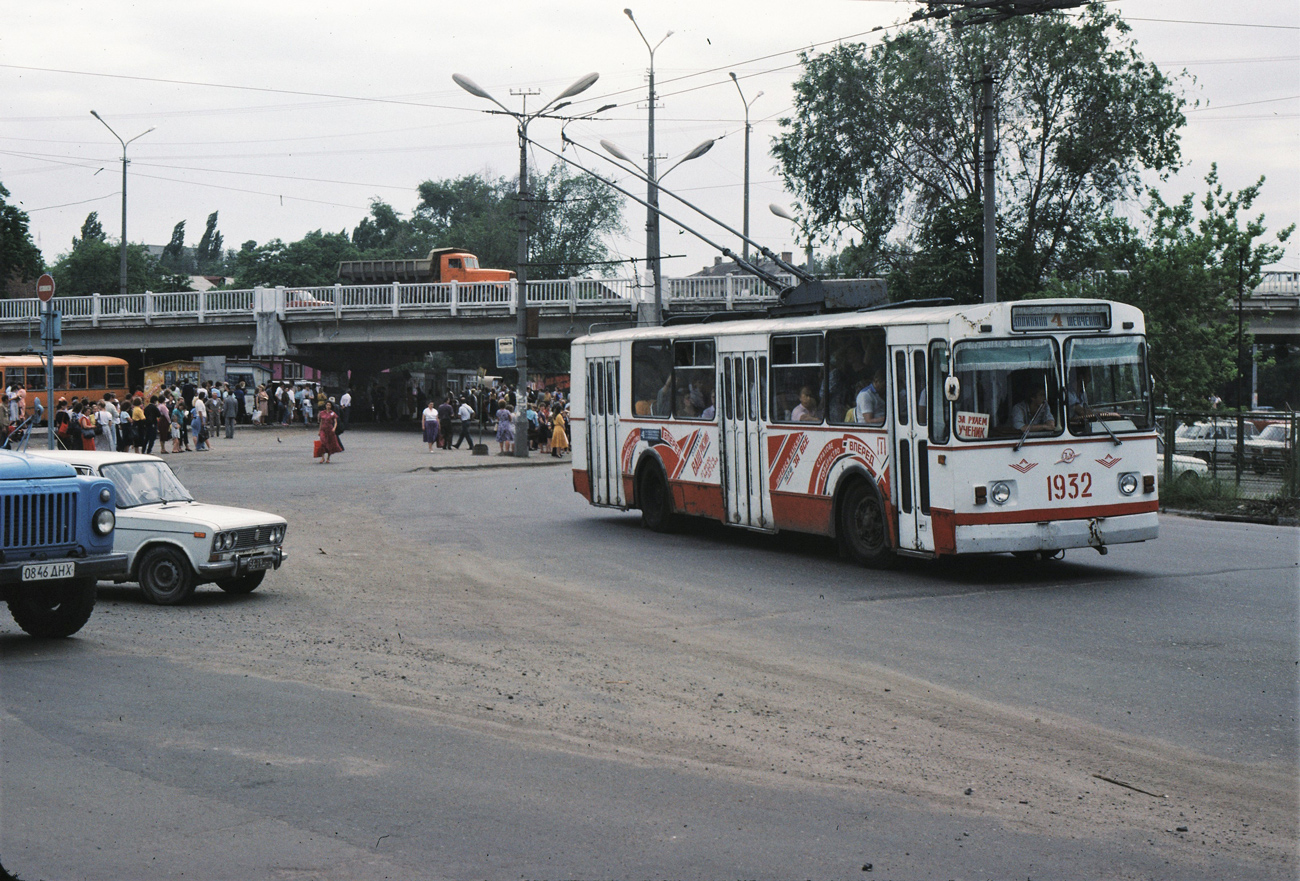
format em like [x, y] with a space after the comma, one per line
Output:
[912, 458]
[742, 379]
[603, 396]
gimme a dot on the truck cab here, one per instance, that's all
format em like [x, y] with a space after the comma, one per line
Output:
[56, 542]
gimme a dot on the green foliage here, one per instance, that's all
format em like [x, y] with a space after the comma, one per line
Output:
[20, 259]
[91, 230]
[572, 218]
[174, 259]
[94, 266]
[208, 255]
[311, 261]
[885, 143]
[470, 212]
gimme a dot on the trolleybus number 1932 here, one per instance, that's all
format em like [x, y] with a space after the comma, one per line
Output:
[1069, 486]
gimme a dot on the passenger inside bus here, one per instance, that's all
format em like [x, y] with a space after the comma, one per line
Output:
[808, 409]
[870, 402]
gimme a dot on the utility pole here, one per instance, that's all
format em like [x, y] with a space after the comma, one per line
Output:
[122, 285]
[652, 186]
[990, 194]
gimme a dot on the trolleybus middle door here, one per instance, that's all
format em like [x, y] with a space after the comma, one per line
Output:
[912, 458]
[746, 494]
[603, 394]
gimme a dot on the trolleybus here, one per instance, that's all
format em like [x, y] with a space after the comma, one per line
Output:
[922, 431]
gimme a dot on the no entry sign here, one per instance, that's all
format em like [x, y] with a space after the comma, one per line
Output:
[45, 287]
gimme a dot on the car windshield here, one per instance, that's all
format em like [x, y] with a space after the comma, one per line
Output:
[1273, 432]
[145, 483]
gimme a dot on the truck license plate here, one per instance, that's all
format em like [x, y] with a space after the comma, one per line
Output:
[47, 571]
[256, 563]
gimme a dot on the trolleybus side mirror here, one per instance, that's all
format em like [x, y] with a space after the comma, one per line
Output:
[952, 388]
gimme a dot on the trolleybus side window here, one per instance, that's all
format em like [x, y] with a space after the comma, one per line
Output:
[798, 374]
[900, 384]
[918, 372]
[652, 378]
[1006, 385]
[694, 377]
[96, 376]
[36, 379]
[855, 357]
[1107, 382]
[77, 378]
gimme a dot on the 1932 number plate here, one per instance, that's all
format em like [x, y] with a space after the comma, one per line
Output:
[47, 571]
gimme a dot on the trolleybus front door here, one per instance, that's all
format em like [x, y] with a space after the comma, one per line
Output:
[602, 431]
[743, 382]
[912, 457]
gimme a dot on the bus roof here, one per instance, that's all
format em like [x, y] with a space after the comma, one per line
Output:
[60, 360]
[975, 315]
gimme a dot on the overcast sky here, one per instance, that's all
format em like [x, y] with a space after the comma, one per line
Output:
[292, 116]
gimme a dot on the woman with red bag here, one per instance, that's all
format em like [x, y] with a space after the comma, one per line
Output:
[329, 439]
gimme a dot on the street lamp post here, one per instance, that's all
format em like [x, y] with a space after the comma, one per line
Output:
[804, 227]
[748, 128]
[652, 187]
[521, 252]
[122, 284]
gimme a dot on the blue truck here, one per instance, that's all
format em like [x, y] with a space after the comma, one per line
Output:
[56, 542]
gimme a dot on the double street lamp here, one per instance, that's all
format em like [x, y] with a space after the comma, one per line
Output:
[522, 118]
[748, 128]
[652, 182]
[652, 240]
[122, 286]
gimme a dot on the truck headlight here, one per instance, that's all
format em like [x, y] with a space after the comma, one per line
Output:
[103, 521]
[1128, 483]
[1000, 493]
[105, 494]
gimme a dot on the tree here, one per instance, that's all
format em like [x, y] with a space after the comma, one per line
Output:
[311, 261]
[571, 219]
[173, 256]
[208, 254]
[884, 141]
[20, 259]
[1185, 276]
[94, 266]
[470, 212]
[91, 230]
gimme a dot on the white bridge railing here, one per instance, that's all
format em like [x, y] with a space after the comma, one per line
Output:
[572, 295]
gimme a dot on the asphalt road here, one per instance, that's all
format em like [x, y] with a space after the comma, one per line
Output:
[471, 673]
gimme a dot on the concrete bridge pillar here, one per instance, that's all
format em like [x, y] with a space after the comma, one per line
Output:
[268, 308]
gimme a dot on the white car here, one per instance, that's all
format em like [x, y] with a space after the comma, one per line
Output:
[1270, 449]
[1186, 468]
[173, 543]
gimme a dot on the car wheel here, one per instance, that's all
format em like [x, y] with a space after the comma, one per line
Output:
[654, 500]
[1188, 478]
[53, 610]
[863, 528]
[166, 577]
[246, 583]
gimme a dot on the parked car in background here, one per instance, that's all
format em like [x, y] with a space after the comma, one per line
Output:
[1213, 442]
[1186, 468]
[1270, 449]
[174, 543]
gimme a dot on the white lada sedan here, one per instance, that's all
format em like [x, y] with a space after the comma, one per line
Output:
[174, 543]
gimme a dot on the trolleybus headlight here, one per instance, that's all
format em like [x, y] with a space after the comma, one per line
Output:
[1000, 493]
[1128, 483]
[104, 521]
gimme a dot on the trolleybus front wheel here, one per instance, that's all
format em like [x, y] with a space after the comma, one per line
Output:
[863, 529]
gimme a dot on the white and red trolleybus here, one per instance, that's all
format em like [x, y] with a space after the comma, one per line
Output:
[1020, 427]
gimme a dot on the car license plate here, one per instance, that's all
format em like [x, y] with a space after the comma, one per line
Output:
[46, 571]
[256, 563]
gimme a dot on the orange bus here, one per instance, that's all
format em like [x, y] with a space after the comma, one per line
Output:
[80, 375]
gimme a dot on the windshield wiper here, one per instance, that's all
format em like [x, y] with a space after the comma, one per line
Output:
[1033, 420]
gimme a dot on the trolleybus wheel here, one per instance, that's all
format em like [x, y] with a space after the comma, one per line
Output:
[863, 529]
[654, 499]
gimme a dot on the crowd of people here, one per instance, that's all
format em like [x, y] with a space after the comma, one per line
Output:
[547, 415]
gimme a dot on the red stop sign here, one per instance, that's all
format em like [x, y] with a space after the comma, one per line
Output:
[45, 287]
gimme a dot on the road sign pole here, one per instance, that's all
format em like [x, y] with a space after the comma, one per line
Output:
[45, 291]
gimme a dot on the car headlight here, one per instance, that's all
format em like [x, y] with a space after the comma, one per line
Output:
[1128, 483]
[103, 521]
[1000, 493]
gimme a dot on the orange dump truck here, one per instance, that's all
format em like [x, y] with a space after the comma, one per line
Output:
[441, 266]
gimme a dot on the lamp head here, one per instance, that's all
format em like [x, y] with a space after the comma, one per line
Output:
[612, 149]
[628, 13]
[470, 86]
[780, 212]
[700, 150]
[581, 85]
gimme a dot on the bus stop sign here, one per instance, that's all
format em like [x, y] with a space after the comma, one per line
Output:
[45, 287]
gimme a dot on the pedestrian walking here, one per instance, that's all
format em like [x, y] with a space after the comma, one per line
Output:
[328, 443]
[559, 437]
[230, 405]
[429, 423]
[466, 414]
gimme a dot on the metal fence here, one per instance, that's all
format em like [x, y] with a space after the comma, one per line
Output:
[1251, 455]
